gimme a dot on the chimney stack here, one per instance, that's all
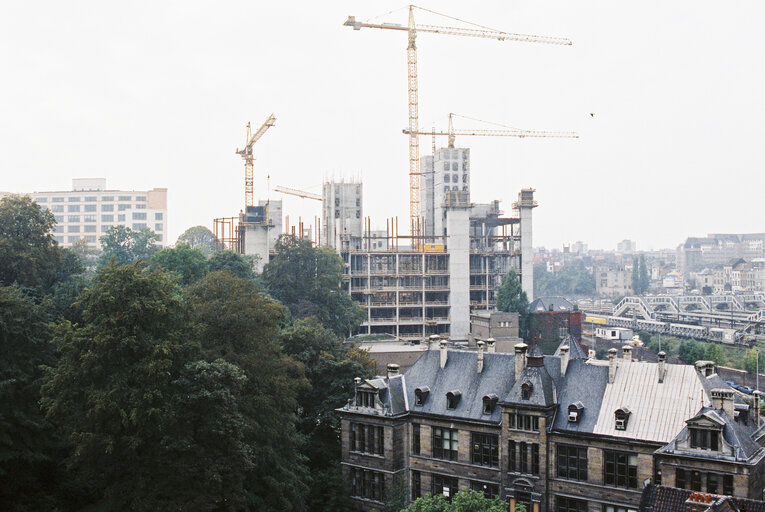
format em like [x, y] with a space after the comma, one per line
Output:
[491, 345]
[611, 365]
[564, 355]
[480, 355]
[443, 354]
[757, 400]
[627, 353]
[662, 365]
[723, 399]
[520, 359]
[392, 370]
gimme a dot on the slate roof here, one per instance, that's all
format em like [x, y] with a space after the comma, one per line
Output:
[575, 350]
[543, 304]
[543, 392]
[659, 498]
[584, 383]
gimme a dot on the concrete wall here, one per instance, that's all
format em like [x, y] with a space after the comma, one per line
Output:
[525, 204]
[256, 243]
[458, 247]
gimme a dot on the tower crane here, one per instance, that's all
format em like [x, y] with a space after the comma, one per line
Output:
[247, 156]
[411, 53]
[508, 131]
[299, 193]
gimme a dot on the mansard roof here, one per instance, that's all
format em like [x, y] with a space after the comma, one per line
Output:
[544, 304]
[575, 350]
[536, 374]
[583, 383]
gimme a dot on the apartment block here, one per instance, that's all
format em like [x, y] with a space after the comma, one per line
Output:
[90, 209]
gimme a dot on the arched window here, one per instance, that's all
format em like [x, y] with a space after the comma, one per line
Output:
[526, 389]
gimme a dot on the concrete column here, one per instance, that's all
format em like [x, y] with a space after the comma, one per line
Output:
[458, 229]
[524, 205]
[256, 244]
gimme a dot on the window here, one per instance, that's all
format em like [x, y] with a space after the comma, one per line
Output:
[73, 208]
[73, 229]
[58, 229]
[420, 395]
[107, 207]
[139, 216]
[140, 207]
[485, 449]
[534, 459]
[41, 199]
[445, 443]
[523, 457]
[365, 398]
[107, 198]
[518, 421]
[621, 417]
[121, 218]
[91, 199]
[455, 166]
[159, 238]
[74, 199]
[511, 455]
[57, 199]
[617, 508]
[620, 469]
[704, 439]
[416, 438]
[680, 480]
[124, 198]
[452, 399]
[59, 218]
[123, 207]
[107, 218]
[104, 229]
[57, 208]
[572, 462]
[72, 239]
[89, 218]
[416, 485]
[445, 485]
[367, 484]
[490, 403]
[91, 239]
[491, 491]
[59, 239]
[157, 227]
[159, 216]
[464, 178]
[91, 228]
[570, 505]
[446, 166]
[367, 438]
[447, 178]
[73, 218]
[139, 226]
[526, 388]
[140, 198]
[89, 208]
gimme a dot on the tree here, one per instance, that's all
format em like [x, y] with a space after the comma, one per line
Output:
[199, 237]
[239, 265]
[126, 246]
[29, 256]
[511, 298]
[330, 368]
[706, 290]
[186, 263]
[308, 280]
[111, 389]
[636, 285]
[462, 501]
[234, 321]
[643, 277]
[28, 444]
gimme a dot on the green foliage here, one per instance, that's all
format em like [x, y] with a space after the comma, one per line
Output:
[463, 501]
[691, 351]
[520, 507]
[237, 264]
[29, 256]
[511, 298]
[750, 360]
[574, 279]
[198, 237]
[186, 263]
[125, 246]
[28, 444]
[235, 322]
[398, 496]
[640, 278]
[63, 300]
[308, 280]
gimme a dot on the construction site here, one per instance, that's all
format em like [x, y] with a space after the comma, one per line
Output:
[426, 277]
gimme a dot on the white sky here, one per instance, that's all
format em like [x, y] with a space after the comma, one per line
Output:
[157, 94]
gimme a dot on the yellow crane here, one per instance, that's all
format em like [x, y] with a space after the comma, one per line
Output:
[411, 56]
[299, 193]
[508, 131]
[247, 156]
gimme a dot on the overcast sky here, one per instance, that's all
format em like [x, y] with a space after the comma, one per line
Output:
[157, 94]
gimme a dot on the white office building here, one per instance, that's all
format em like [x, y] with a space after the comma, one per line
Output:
[90, 209]
[450, 172]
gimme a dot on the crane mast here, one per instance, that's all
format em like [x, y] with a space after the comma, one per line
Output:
[249, 158]
[411, 56]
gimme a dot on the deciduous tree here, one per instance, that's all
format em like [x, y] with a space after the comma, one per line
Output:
[183, 261]
[199, 237]
[511, 297]
[125, 246]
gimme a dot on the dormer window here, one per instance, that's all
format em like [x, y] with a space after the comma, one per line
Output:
[365, 398]
[526, 389]
[621, 416]
[705, 439]
[452, 399]
[575, 411]
[490, 403]
[420, 395]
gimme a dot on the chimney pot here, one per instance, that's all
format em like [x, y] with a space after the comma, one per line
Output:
[564, 358]
[520, 358]
[662, 366]
[627, 353]
[392, 370]
[491, 345]
[611, 365]
[480, 356]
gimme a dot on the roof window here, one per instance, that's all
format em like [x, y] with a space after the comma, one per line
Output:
[575, 411]
[452, 399]
[490, 403]
[420, 395]
[622, 416]
[526, 389]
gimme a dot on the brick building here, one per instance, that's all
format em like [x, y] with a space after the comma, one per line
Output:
[561, 432]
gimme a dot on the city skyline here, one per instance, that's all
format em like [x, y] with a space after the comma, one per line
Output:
[672, 150]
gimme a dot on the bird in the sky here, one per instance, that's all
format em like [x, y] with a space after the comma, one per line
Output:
[592, 114]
